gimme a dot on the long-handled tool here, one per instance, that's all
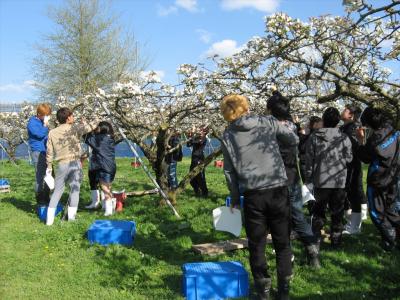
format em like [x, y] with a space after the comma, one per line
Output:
[162, 193]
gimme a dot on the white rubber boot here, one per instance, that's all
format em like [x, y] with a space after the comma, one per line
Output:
[51, 211]
[355, 224]
[109, 207]
[95, 200]
[103, 197]
[72, 213]
[364, 212]
[114, 204]
[347, 215]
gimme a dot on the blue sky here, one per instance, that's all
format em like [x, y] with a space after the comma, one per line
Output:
[172, 32]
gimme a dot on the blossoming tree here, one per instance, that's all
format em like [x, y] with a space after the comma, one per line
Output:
[13, 129]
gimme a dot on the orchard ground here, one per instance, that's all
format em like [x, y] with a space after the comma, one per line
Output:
[57, 262]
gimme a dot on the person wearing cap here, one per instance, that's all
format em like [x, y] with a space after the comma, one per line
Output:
[38, 130]
[253, 163]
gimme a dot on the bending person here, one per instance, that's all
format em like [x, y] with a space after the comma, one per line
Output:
[63, 147]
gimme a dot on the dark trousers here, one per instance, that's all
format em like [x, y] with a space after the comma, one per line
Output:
[334, 198]
[93, 181]
[355, 195]
[383, 212]
[199, 183]
[264, 210]
[41, 188]
[299, 222]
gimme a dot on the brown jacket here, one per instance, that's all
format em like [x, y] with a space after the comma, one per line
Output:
[63, 144]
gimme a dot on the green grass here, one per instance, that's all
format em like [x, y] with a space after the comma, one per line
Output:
[57, 262]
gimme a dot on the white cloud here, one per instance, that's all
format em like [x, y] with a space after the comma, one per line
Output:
[18, 88]
[159, 74]
[165, 11]
[205, 36]
[223, 48]
[189, 5]
[267, 6]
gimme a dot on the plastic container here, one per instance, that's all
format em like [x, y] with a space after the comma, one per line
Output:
[106, 232]
[228, 201]
[42, 211]
[214, 280]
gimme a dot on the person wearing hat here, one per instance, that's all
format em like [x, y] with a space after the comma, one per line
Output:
[253, 163]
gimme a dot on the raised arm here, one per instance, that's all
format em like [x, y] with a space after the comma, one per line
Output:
[309, 160]
[231, 176]
[37, 130]
[49, 152]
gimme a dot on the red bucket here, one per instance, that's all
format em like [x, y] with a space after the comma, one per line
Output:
[219, 163]
[135, 164]
[120, 197]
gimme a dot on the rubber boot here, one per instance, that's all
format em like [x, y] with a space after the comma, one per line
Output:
[263, 288]
[347, 215]
[354, 227]
[72, 213]
[313, 256]
[114, 204]
[51, 211]
[283, 288]
[364, 212]
[108, 207]
[336, 239]
[388, 238]
[95, 197]
[103, 199]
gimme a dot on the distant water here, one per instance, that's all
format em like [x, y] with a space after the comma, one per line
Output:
[121, 150]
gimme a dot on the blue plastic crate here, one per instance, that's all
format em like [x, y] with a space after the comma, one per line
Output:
[215, 280]
[42, 211]
[105, 232]
[228, 201]
[4, 182]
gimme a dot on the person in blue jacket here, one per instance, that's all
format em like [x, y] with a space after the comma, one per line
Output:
[103, 161]
[38, 130]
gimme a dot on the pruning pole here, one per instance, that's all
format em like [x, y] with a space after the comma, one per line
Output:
[9, 157]
[29, 150]
[163, 194]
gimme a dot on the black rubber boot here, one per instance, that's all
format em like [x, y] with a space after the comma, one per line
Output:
[313, 256]
[283, 288]
[336, 239]
[263, 288]
[388, 238]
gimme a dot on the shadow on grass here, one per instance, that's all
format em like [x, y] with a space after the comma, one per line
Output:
[24, 205]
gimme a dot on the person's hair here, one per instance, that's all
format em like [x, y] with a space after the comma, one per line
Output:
[313, 120]
[331, 117]
[234, 106]
[373, 117]
[279, 106]
[63, 114]
[43, 109]
[355, 110]
[105, 128]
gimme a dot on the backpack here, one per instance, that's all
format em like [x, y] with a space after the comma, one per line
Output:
[383, 176]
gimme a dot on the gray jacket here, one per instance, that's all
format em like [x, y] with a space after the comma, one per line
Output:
[328, 152]
[252, 160]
